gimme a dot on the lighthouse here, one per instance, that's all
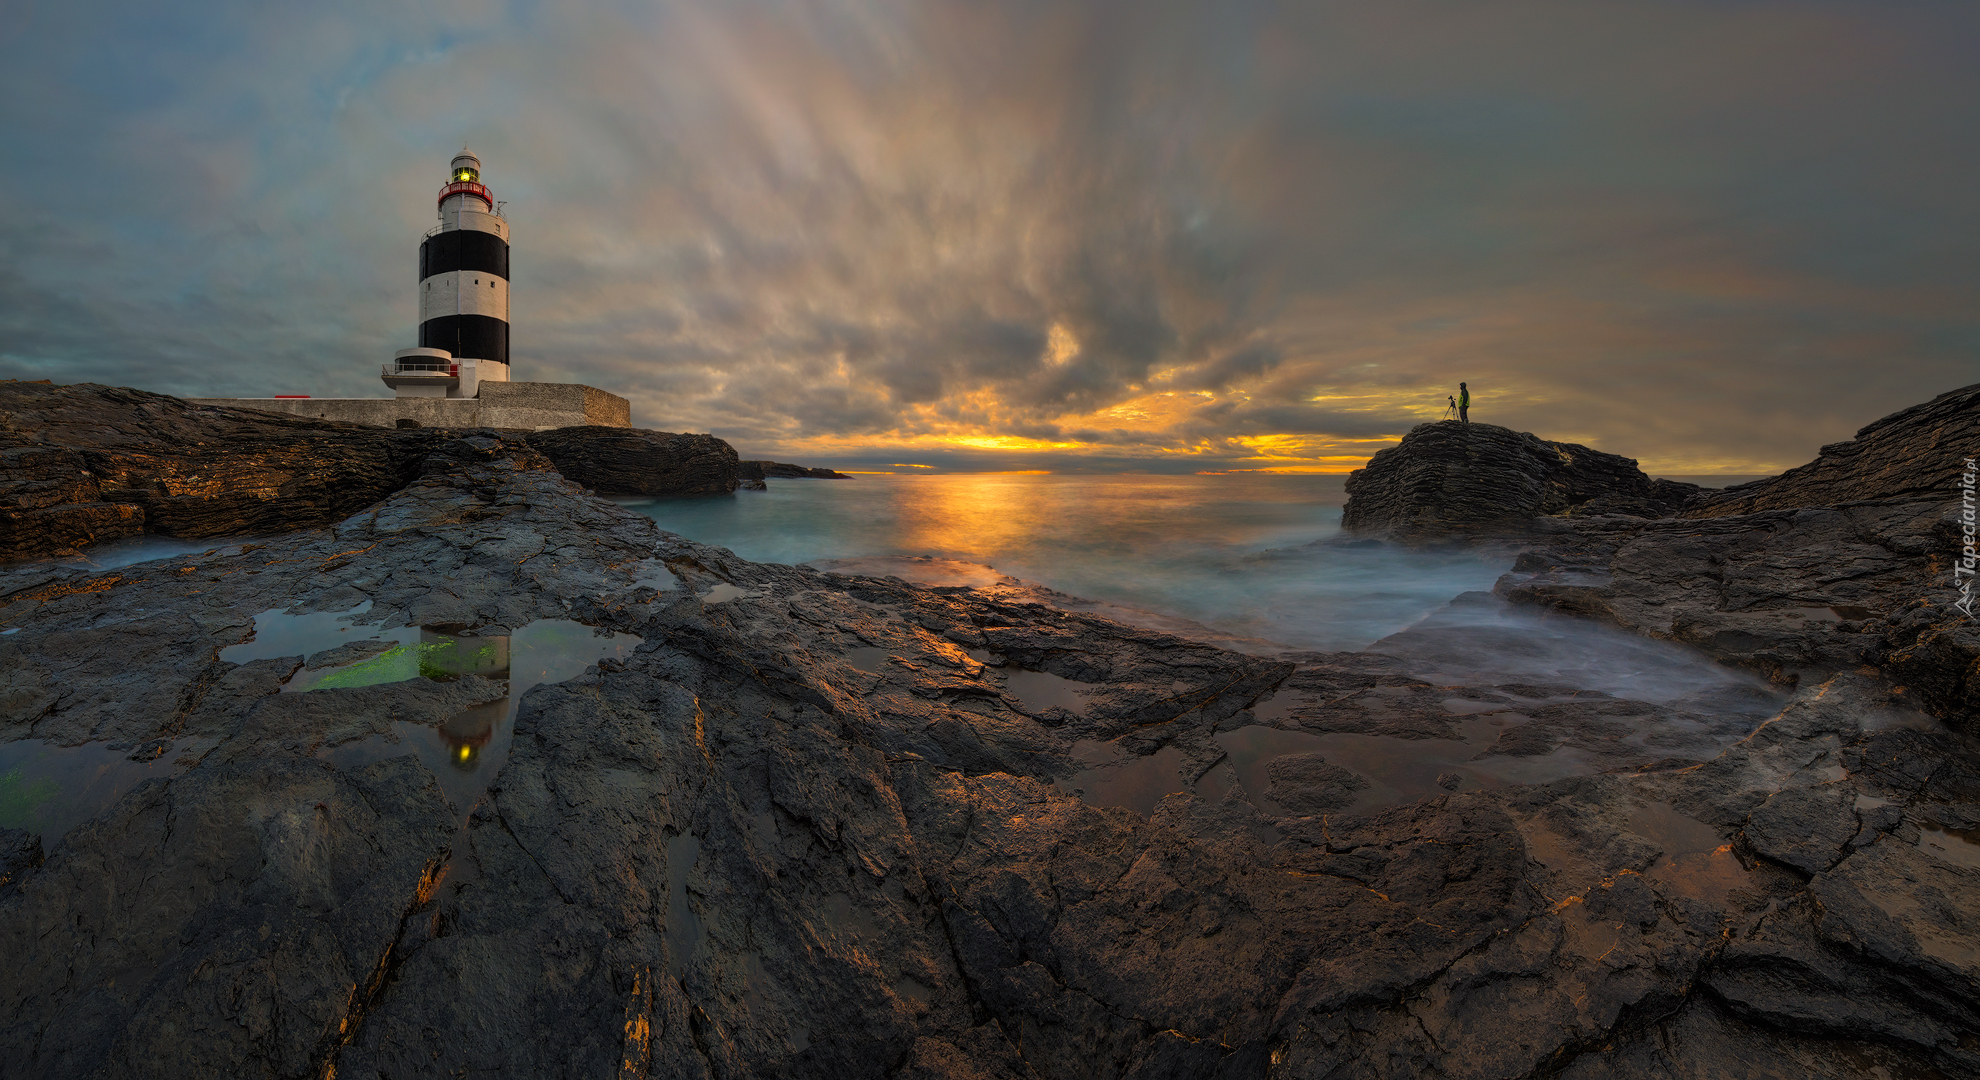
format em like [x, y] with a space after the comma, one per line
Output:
[463, 294]
[458, 377]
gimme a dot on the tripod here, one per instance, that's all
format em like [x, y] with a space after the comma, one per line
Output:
[1451, 413]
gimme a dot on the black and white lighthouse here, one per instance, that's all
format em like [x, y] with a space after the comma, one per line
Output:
[463, 294]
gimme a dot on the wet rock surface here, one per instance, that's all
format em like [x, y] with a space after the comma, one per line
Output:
[820, 825]
[634, 461]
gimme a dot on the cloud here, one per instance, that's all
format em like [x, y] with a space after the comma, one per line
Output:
[1706, 235]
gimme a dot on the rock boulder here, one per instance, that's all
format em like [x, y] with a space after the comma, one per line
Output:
[779, 470]
[1450, 480]
[633, 461]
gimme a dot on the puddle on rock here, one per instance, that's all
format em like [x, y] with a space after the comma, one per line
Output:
[1397, 771]
[1702, 875]
[839, 917]
[723, 593]
[132, 550]
[868, 658]
[1115, 777]
[49, 789]
[908, 988]
[655, 574]
[1955, 846]
[1679, 836]
[1039, 691]
[466, 750]
[277, 633]
[684, 929]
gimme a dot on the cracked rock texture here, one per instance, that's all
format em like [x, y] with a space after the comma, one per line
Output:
[818, 825]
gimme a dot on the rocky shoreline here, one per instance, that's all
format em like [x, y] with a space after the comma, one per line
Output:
[822, 825]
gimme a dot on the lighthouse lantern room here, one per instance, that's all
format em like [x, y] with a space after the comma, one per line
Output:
[463, 294]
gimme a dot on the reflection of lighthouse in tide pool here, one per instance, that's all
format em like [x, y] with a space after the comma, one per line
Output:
[448, 652]
[463, 294]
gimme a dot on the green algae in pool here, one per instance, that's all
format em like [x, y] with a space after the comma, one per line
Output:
[437, 653]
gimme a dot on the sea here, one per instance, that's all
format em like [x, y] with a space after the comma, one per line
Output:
[1239, 559]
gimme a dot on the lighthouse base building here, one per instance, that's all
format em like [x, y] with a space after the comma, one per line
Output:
[458, 376]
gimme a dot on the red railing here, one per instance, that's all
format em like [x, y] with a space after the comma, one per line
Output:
[468, 187]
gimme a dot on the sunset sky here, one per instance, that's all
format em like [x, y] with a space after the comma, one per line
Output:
[1712, 235]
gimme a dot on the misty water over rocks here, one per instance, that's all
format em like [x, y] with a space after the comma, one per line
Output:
[1229, 559]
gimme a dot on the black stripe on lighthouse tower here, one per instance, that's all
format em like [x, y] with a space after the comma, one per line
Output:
[464, 249]
[478, 337]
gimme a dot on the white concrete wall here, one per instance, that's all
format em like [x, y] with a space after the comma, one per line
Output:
[513, 405]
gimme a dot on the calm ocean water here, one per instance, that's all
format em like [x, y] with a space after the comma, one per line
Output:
[1228, 552]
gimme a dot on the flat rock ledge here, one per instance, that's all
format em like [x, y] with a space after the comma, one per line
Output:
[818, 825]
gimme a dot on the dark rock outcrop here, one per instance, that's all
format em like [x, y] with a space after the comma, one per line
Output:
[1451, 480]
[1914, 455]
[775, 470]
[633, 461]
[82, 464]
[1846, 561]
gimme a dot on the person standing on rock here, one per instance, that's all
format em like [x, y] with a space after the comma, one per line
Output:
[1464, 404]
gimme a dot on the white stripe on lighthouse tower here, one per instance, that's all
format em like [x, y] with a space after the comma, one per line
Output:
[464, 292]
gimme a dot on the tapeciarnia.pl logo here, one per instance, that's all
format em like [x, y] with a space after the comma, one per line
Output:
[1963, 567]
